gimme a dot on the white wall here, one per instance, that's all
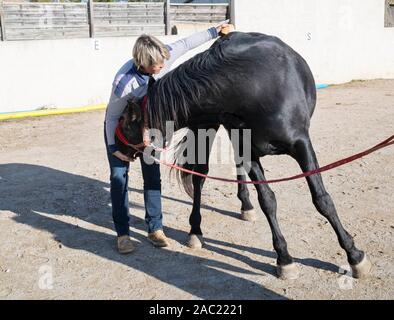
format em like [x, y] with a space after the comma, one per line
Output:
[62, 73]
[341, 40]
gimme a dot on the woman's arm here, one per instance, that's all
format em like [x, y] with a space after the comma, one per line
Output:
[182, 46]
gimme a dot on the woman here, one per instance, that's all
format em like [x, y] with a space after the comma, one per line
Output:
[150, 57]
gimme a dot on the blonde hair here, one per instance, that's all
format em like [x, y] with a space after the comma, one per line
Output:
[149, 51]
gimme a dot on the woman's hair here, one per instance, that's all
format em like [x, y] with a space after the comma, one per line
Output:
[149, 50]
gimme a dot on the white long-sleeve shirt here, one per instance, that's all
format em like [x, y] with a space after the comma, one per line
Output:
[129, 82]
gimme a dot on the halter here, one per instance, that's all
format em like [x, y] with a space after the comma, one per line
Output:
[144, 128]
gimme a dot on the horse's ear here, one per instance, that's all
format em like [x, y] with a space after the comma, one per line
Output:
[134, 110]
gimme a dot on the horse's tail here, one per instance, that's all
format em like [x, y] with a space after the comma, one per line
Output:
[185, 179]
[176, 155]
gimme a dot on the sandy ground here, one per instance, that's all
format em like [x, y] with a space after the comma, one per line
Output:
[57, 238]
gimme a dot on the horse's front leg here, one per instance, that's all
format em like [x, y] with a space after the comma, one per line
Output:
[247, 211]
[201, 156]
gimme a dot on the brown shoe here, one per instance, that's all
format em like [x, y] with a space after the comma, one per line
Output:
[158, 238]
[125, 245]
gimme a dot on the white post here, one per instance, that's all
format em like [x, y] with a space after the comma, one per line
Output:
[91, 18]
[167, 17]
[2, 21]
[232, 12]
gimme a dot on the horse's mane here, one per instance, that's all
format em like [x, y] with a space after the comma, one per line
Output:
[173, 96]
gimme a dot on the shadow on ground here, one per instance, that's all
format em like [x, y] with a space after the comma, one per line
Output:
[36, 193]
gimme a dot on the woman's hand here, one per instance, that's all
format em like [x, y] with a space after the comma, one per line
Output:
[123, 157]
[224, 28]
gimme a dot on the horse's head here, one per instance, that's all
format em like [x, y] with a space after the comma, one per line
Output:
[129, 135]
[133, 122]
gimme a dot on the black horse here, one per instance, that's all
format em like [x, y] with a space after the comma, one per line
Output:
[253, 81]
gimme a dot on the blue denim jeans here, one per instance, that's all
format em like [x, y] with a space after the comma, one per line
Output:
[119, 194]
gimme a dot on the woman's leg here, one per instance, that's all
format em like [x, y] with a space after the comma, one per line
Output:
[119, 193]
[152, 196]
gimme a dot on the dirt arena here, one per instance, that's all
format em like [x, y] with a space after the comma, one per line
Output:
[57, 239]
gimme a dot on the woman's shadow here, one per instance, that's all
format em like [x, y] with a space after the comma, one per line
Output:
[40, 195]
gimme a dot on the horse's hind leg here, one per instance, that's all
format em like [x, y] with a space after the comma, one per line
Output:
[247, 211]
[304, 154]
[285, 267]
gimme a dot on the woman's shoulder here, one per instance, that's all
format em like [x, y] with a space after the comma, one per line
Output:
[125, 68]
[128, 80]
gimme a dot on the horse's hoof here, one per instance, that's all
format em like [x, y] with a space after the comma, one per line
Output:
[288, 272]
[362, 269]
[248, 215]
[194, 241]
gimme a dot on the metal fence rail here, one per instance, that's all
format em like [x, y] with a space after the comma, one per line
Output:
[199, 13]
[126, 19]
[22, 21]
[29, 21]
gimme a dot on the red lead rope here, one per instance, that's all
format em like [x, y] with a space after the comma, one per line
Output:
[119, 133]
[330, 166]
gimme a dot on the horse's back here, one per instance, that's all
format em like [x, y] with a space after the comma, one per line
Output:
[280, 70]
[273, 90]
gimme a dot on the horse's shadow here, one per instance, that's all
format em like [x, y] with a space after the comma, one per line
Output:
[39, 195]
[310, 262]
